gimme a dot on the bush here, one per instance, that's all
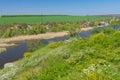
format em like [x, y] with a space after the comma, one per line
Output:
[2, 50]
[27, 54]
[96, 31]
[7, 33]
[107, 31]
[55, 44]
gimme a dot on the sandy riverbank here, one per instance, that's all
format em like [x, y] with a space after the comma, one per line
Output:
[5, 41]
[89, 28]
[33, 37]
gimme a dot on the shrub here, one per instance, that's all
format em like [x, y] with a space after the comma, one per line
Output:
[2, 50]
[41, 29]
[27, 54]
[107, 31]
[99, 38]
[96, 31]
[55, 44]
[114, 23]
[7, 33]
[116, 34]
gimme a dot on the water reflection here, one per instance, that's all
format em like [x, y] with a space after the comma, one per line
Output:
[14, 53]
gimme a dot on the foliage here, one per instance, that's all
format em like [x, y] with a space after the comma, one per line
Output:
[7, 33]
[36, 43]
[113, 23]
[40, 28]
[56, 70]
[55, 45]
[2, 50]
[27, 54]
[103, 30]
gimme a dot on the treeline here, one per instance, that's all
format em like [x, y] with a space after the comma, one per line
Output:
[25, 29]
[30, 15]
[40, 15]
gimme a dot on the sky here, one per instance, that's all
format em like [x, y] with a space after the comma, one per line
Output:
[64, 7]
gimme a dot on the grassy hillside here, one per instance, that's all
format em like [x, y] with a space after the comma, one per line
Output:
[33, 19]
[94, 58]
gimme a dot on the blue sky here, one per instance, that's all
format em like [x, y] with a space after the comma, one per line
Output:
[70, 7]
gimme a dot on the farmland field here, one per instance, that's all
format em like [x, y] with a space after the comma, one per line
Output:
[33, 19]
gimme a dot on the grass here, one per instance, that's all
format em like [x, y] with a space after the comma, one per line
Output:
[2, 50]
[94, 58]
[48, 19]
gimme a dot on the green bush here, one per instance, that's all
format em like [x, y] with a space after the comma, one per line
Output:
[2, 50]
[27, 54]
[107, 31]
[114, 23]
[7, 33]
[55, 45]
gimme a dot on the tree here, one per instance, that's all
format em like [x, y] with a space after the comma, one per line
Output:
[114, 23]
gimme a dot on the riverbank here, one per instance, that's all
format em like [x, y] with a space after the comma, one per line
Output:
[90, 28]
[6, 42]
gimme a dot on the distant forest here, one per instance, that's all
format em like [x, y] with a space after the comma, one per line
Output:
[30, 15]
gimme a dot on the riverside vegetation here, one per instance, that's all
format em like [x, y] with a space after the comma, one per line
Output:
[2, 50]
[21, 25]
[72, 24]
[93, 58]
[38, 29]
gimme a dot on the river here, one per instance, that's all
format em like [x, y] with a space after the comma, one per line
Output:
[15, 53]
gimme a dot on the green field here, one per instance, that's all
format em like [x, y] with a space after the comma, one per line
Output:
[33, 19]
